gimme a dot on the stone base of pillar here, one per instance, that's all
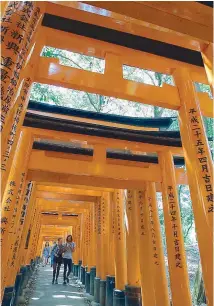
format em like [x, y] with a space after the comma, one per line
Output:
[83, 275]
[110, 285]
[92, 277]
[87, 282]
[95, 304]
[79, 269]
[97, 289]
[8, 296]
[133, 296]
[88, 298]
[118, 298]
[102, 292]
[18, 287]
[24, 271]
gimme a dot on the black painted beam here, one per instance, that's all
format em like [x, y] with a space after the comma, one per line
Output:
[123, 39]
[48, 146]
[166, 138]
[134, 121]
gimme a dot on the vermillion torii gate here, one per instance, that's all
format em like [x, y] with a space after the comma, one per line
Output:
[42, 172]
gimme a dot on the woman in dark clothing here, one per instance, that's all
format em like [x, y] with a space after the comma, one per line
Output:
[57, 260]
[69, 248]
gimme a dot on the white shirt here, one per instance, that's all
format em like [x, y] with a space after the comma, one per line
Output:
[68, 253]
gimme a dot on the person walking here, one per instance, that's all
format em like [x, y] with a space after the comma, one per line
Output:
[69, 248]
[46, 254]
[57, 250]
[52, 252]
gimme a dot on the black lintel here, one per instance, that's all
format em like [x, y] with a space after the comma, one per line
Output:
[134, 121]
[62, 148]
[123, 39]
[165, 138]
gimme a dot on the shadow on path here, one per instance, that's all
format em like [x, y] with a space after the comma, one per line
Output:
[46, 294]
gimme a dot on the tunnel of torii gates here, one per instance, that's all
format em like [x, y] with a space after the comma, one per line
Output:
[73, 171]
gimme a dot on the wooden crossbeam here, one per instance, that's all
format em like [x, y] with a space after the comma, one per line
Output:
[133, 58]
[62, 196]
[165, 20]
[75, 10]
[94, 140]
[112, 84]
[42, 164]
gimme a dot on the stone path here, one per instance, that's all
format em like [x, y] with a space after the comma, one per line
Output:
[46, 294]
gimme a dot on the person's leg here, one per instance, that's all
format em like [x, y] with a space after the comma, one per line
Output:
[65, 269]
[57, 271]
[54, 271]
[69, 269]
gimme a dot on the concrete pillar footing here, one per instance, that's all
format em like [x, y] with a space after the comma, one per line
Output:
[95, 304]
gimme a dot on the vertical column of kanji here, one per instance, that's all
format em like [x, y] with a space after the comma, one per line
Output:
[86, 240]
[31, 233]
[15, 25]
[199, 171]
[175, 244]
[18, 28]
[93, 238]
[90, 242]
[13, 192]
[78, 242]
[120, 250]
[145, 248]
[98, 221]
[110, 280]
[98, 257]
[111, 271]
[35, 237]
[84, 245]
[16, 236]
[27, 220]
[16, 113]
[74, 236]
[104, 254]
[207, 55]
[159, 268]
[133, 289]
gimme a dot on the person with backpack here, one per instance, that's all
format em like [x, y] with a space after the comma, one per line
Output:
[57, 260]
[69, 248]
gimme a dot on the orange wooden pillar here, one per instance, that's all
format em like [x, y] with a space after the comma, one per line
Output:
[120, 249]
[199, 171]
[133, 287]
[32, 235]
[104, 254]
[159, 268]
[11, 132]
[110, 279]
[145, 249]
[31, 214]
[207, 55]
[13, 263]
[19, 24]
[98, 246]
[12, 195]
[179, 280]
